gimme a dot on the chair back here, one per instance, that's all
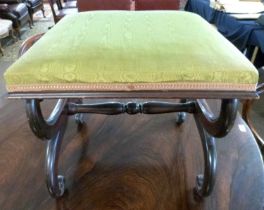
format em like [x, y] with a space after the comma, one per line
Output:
[157, 4]
[86, 5]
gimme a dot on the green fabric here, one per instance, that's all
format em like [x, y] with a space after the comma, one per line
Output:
[132, 47]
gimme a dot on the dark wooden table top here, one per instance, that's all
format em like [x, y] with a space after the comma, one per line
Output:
[127, 162]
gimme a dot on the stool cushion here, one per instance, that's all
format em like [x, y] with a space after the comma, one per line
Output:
[125, 51]
[5, 27]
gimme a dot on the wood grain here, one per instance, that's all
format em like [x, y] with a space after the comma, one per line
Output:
[127, 162]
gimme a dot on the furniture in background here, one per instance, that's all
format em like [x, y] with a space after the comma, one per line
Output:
[156, 4]
[6, 29]
[34, 6]
[66, 3]
[60, 11]
[247, 35]
[16, 12]
[84, 5]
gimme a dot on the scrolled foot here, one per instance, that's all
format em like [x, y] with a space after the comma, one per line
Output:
[205, 182]
[180, 118]
[61, 185]
[55, 182]
[197, 190]
[57, 190]
[79, 119]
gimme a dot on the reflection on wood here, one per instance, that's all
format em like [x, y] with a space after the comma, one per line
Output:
[137, 162]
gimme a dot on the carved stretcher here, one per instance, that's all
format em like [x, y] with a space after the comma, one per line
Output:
[131, 55]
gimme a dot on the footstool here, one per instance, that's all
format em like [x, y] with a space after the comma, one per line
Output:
[5, 29]
[132, 55]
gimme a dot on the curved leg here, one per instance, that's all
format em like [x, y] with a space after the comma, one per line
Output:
[205, 182]
[210, 126]
[217, 126]
[55, 182]
[45, 129]
[52, 130]
[181, 116]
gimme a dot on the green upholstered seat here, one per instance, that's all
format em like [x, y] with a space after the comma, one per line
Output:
[124, 51]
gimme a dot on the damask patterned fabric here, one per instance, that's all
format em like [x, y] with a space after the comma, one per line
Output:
[126, 50]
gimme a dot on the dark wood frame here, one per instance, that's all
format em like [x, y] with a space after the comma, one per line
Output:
[209, 126]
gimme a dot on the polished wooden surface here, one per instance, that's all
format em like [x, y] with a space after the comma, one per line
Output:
[140, 162]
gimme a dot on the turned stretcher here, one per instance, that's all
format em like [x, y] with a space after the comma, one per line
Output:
[131, 55]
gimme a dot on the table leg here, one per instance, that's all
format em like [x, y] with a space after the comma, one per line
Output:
[210, 126]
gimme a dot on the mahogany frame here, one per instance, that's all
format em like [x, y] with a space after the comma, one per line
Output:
[209, 126]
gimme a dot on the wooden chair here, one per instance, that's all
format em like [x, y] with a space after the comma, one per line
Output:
[157, 4]
[84, 5]
[59, 12]
[34, 6]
